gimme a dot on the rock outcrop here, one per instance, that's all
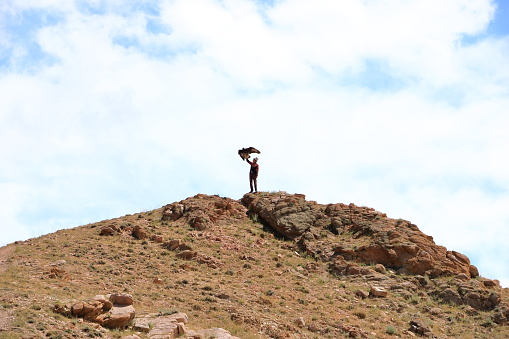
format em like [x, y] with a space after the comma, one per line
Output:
[202, 211]
[320, 229]
[360, 241]
[113, 311]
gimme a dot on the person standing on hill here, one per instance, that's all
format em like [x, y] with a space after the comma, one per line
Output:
[253, 174]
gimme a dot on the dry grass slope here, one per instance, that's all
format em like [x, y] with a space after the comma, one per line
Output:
[242, 277]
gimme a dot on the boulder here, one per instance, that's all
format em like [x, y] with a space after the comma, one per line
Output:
[300, 322]
[156, 238]
[156, 326]
[380, 268]
[173, 211]
[187, 254]
[172, 244]
[501, 314]
[139, 232]
[117, 317]
[419, 326]
[121, 299]
[377, 292]
[361, 294]
[489, 282]
[107, 305]
[474, 272]
[107, 230]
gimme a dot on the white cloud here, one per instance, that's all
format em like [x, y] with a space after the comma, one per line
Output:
[373, 103]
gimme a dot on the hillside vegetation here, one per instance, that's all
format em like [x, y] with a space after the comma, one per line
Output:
[272, 265]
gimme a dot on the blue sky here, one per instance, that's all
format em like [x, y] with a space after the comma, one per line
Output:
[111, 108]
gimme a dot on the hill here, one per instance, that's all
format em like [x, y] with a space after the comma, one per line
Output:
[272, 265]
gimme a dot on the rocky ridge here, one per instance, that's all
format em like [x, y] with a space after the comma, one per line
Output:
[271, 265]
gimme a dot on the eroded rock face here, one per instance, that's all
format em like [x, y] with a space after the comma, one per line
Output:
[396, 244]
[471, 293]
[289, 215]
[359, 241]
[202, 211]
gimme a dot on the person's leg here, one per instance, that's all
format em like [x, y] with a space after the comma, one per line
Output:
[255, 184]
[251, 182]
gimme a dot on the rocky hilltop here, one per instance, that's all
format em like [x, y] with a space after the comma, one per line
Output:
[271, 265]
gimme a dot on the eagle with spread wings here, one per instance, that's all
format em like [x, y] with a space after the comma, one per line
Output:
[245, 152]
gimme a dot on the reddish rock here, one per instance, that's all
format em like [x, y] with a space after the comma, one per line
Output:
[474, 272]
[117, 312]
[118, 317]
[377, 292]
[380, 268]
[396, 244]
[187, 254]
[122, 299]
[362, 294]
[419, 326]
[173, 211]
[290, 215]
[156, 238]
[489, 282]
[91, 310]
[170, 326]
[107, 305]
[202, 211]
[77, 309]
[139, 232]
[300, 322]
[172, 244]
[107, 230]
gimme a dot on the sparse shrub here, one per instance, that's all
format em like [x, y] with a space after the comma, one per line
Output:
[360, 315]
[209, 299]
[254, 217]
[302, 301]
[415, 300]
[54, 335]
[391, 330]
[488, 323]
[302, 289]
